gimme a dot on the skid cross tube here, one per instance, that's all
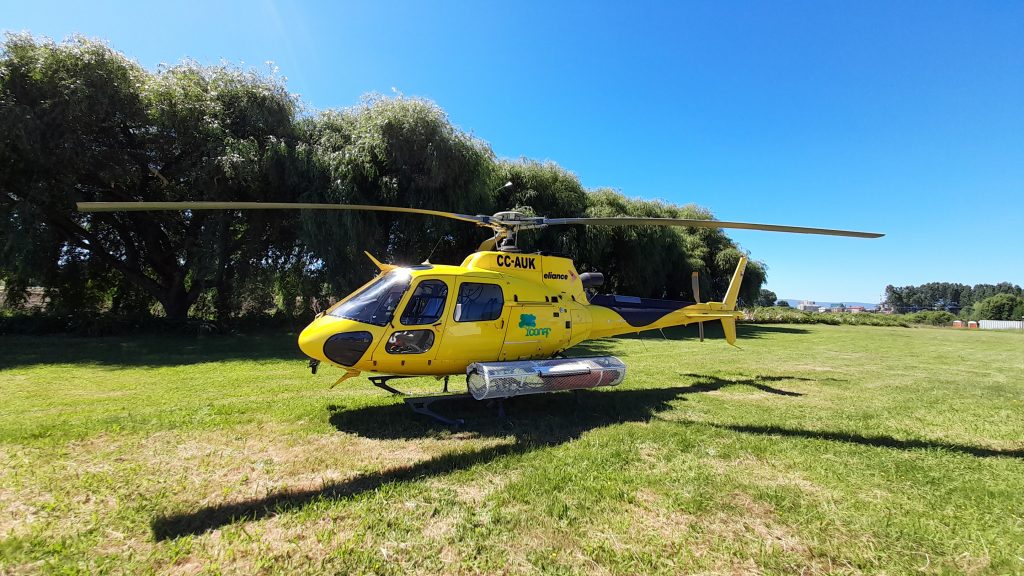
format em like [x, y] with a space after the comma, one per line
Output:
[382, 383]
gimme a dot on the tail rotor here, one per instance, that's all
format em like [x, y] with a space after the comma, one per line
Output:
[695, 283]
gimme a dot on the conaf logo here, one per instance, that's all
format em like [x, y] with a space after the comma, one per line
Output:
[529, 322]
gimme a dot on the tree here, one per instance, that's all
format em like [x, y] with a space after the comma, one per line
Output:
[394, 152]
[87, 124]
[934, 295]
[547, 189]
[999, 307]
[81, 122]
[766, 298]
[782, 304]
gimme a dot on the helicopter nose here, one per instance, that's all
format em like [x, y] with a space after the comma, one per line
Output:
[335, 340]
[310, 341]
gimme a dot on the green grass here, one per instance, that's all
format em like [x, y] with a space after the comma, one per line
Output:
[814, 449]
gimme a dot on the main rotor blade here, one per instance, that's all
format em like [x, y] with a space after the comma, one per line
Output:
[632, 221]
[146, 206]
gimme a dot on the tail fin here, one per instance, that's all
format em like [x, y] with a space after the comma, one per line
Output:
[733, 293]
[729, 327]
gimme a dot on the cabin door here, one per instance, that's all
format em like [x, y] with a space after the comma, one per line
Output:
[413, 338]
[475, 329]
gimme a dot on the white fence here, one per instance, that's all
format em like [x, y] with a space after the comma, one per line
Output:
[1001, 324]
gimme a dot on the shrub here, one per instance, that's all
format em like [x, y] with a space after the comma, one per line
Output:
[931, 317]
[781, 315]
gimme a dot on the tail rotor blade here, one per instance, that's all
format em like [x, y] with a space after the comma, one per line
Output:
[695, 284]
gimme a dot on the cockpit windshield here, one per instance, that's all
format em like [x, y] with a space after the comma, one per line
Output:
[376, 303]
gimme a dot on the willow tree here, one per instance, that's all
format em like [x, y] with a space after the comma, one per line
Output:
[81, 122]
[394, 152]
[542, 189]
[84, 123]
[657, 261]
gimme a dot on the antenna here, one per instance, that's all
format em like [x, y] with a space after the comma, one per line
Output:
[436, 244]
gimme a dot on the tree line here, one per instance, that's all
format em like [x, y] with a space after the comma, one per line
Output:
[1003, 301]
[82, 122]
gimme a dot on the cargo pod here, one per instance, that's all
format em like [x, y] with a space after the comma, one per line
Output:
[488, 380]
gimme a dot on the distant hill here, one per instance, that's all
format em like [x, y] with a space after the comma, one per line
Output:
[866, 305]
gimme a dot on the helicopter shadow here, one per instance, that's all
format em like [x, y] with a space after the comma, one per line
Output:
[709, 383]
[537, 420]
[542, 418]
[533, 422]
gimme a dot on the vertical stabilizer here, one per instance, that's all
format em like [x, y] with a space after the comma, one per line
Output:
[729, 327]
[734, 289]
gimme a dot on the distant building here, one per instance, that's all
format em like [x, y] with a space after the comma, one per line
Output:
[856, 309]
[807, 306]
[1001, 324]
[822, 308]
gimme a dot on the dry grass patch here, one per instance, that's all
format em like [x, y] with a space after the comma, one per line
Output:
[760, 472]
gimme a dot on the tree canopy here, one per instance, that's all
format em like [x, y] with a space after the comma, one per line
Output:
[999, 307]
[937, 295]
[766, 298]
[82, 122]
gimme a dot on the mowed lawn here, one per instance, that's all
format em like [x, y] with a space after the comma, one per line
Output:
[813, 449]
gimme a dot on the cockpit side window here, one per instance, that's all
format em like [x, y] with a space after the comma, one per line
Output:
[426, 303]
[376, 303]
[478, 301]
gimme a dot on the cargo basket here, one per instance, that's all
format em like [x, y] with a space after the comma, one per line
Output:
[506, 379]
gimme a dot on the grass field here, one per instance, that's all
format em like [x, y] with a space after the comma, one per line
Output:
[814, 449]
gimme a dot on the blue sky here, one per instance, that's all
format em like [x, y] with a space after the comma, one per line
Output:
[899, 117]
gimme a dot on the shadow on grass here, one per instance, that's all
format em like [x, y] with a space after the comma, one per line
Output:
[708, 383]
[761, 330]
[147, 350]
[876, 441]
[532, 422]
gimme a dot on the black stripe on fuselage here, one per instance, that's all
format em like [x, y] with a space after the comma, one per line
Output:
[638, 312]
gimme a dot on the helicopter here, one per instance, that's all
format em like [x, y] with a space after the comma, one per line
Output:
[502, 317]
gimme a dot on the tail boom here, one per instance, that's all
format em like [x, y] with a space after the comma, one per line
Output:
[614, 316]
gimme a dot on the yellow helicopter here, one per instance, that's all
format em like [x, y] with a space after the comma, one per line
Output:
[502, 316]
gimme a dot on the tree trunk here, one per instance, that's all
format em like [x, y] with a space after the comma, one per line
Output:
[176, 304]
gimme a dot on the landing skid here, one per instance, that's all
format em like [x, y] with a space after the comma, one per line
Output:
[421, 405]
